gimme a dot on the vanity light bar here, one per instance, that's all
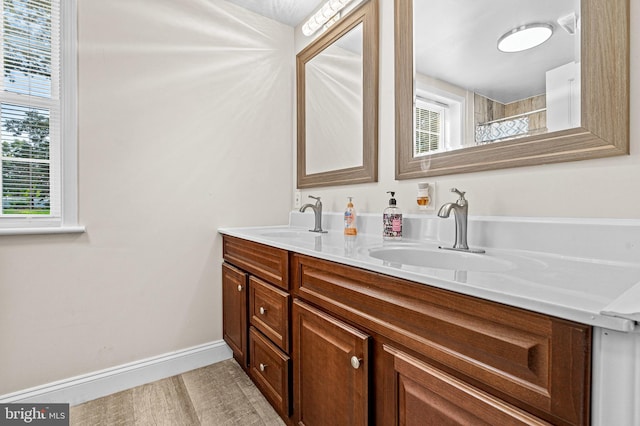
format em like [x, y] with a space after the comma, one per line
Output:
[326, 12]
[332, 21]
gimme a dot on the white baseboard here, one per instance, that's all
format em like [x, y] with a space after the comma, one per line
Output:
[86, 387]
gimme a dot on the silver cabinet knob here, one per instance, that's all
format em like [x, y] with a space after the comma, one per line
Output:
[355, 362]
[262, 366]
[239, 287]
[262, 310]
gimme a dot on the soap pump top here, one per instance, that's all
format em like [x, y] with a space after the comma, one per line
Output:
[392, 200]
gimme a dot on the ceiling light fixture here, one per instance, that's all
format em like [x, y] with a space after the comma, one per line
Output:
[525, 37]
[326, 12]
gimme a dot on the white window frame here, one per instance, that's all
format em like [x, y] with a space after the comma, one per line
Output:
[455, 117]
[443, 134]
[68, 148]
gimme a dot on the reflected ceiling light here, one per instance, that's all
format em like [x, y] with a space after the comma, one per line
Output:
[524, 37]
[326, 12]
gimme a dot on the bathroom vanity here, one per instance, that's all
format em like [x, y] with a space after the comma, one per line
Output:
[333, 334]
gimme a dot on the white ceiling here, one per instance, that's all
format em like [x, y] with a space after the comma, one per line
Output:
[462, 49]
[289, 12]
[459, 40]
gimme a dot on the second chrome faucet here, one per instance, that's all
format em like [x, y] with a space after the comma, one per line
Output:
[460, 210]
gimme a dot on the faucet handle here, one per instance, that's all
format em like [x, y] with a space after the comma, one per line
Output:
[462, 201]
[316, 198]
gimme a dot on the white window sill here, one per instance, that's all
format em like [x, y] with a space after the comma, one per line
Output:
[43, 230]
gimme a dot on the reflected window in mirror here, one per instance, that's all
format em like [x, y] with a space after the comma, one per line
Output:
[430, 120]
[439, 117]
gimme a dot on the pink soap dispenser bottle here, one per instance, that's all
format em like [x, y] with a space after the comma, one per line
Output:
[392, 220]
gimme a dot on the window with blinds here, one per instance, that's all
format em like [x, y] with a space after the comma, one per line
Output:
[30, 108]
[429, 127]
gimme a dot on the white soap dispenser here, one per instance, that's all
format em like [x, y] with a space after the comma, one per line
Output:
[392, 220]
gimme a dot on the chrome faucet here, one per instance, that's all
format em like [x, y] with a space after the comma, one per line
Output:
[317, 211]
[461, 210]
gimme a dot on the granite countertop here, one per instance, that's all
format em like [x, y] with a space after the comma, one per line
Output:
[602, 293]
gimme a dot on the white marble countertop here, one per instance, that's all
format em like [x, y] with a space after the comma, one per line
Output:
[602, 293]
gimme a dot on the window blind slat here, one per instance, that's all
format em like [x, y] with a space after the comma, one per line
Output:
[428, 129]
[28, 104]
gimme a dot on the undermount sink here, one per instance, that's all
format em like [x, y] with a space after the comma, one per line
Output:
[289, 233]
[440, 259]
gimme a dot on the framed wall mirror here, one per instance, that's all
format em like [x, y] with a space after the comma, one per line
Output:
[465, 102]
[337, 103]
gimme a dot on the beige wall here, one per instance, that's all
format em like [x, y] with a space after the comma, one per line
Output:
[185, 115]
[603, 188]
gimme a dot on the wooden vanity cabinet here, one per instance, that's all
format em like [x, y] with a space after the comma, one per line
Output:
[439, 357]
[350, 346]
[261, 325]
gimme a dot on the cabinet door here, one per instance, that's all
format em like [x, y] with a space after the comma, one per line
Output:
[330, 369]
[417, 393]
[234, 308]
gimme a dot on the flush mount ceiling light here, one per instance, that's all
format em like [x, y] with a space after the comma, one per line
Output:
[525, 37]
[326, 12]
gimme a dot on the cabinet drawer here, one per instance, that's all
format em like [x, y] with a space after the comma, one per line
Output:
[269, 263]
[533, 361]
[422, 394]
[270, 370]
[269, 311]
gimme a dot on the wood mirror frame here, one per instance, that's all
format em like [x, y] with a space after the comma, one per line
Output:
[367, 14]
[604, 130]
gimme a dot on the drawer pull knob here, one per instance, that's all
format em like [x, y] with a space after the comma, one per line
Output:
[262, 366]
[239, 287]
[355, 362]
[262, 310]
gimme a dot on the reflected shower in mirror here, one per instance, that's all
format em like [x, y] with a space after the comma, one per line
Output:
[333, 103]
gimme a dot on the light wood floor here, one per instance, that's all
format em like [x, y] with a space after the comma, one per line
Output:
[219, 394]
